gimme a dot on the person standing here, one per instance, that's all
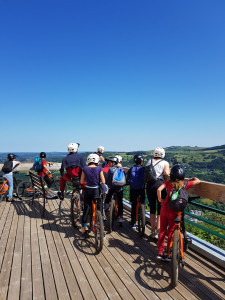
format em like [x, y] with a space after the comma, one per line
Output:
[161, 168]
[7, 170]
[74, 164]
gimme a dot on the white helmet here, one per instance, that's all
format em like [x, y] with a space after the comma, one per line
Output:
[100, 149]
[159, 152]
[93, 158]
[73, 147]
[119, 158]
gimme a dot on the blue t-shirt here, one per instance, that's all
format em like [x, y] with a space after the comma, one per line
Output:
[92, 176]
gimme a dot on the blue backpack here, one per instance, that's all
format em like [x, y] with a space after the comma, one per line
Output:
[37, 164]
[137, 178]
[119, 178]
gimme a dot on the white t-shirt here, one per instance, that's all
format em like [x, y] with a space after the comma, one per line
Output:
[159, 168]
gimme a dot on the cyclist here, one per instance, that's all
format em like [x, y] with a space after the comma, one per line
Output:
[162, 169]
[168, 215]
[112, 162]
[92, 174]
[8, 173]
[44, 173]
[73, 163]
[135, 178]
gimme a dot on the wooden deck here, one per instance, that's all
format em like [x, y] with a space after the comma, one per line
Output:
[46, 259]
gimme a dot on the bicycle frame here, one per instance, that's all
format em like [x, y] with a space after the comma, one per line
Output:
[93, 215]
[178, 228]
[4, 187]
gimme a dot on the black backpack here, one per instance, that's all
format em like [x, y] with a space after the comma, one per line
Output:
[178, 199]
[7, 167]
[150, 173]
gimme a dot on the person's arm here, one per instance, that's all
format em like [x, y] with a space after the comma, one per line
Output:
[166, 171]
[50, 163]
[102, 158]
[82, 179]
[18, 163]
[46, 168]
[102, 178]
[159, 192]
[195, 180]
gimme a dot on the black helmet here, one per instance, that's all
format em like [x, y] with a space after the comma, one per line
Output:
[177, 172]
[113, 159]
[42, 155]
[11, 156]
[138, 158]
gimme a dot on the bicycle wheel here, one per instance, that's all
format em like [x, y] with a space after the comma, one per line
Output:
[175, 259]
[141, 219]
[111, 218]
[25, 190]
[3, 197]
[185, 239]
[99, 232]
[75, 209]
[16, 182]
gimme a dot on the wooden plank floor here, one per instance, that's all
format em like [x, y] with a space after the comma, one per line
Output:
[46, 259]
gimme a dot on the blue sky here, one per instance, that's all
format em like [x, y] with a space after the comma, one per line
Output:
[129, 75]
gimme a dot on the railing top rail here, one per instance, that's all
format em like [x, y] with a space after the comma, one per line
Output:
[210, 190]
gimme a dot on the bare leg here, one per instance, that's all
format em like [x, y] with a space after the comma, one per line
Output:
[158, 223]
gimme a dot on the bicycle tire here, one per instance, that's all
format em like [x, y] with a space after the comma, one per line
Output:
[141, 220]
[25, 190]
[3, 197]
[75, 209]
[99, 232]
[15, 185]
[185, 239]
[111, 218]
[175, 259]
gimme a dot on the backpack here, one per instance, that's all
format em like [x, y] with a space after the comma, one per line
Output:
[119, 178]
[136, 178]
[37, 165]
[178, 199]
[7, 167]
[150, 173]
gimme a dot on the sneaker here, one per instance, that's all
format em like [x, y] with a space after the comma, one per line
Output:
[160, 257]
[134, 226]
[152, 235]
[163, 257]
[60, 195]
[166, 258]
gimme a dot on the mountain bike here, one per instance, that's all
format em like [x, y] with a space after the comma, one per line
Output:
[140, 217]
[178, 245]
[25, 190]
[76, 207]
[4, 187]
[96, 225]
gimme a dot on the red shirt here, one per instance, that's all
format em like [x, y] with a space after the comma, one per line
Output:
[169, 188]
[44, 171]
